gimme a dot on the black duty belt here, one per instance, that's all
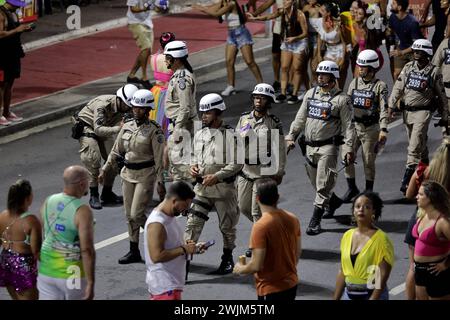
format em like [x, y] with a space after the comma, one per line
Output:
[421, 108]
[367, 120]
[321, 143]
[139, 165]
[246, 177]
[90, 135]
[447, 84]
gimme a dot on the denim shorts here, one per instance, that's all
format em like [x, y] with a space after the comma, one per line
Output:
[296, 47]
[239, 37]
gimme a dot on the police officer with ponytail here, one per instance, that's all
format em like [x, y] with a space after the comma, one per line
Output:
[180, 108]
[324, 115]
[141, 144]
[420, 85]
[369, 97]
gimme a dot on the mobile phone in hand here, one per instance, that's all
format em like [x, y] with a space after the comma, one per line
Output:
[209, 244]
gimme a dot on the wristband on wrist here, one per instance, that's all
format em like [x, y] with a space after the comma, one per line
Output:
[384, 130]
[184, 251]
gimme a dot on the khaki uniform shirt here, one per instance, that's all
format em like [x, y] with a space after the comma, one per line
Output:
[180, 105]
[139, 144]
[215, 153]
[101, 116]
[430, 83]
[340, 122]
[250, 127]
[441, 60]
[364, 106]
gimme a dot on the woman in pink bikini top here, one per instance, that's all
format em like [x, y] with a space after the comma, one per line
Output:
[160, 72]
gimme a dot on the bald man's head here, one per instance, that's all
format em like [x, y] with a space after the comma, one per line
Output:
[73, 175]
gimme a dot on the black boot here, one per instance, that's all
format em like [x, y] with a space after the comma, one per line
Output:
[133, 256]
[227, 264]
[109, 198]
[314, 224]
[94, 201]
[369, 185]
[333, 205]
[409, 171]
[351, 192]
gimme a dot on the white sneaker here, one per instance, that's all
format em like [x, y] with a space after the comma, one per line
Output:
[301, 95]
[4, 122]
[229, 90]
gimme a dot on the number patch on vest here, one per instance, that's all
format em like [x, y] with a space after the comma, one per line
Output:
[320, 110]
[363, 99]
[417, 82]
[447, 56]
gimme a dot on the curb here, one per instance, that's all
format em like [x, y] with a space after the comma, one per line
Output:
[41, 119]
[90, 30]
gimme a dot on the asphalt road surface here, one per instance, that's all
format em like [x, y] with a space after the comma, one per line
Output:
[42, 157]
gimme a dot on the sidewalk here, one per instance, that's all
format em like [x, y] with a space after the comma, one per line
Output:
[60, 78]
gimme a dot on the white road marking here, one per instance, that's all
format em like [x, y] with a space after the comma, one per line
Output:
[398, 289]
[112, 240]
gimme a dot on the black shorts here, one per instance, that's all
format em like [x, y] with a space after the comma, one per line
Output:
[276, 43]
[286, 295]
[436, 285]
[409, 239]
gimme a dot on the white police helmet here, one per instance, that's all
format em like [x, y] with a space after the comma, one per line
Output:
[423, 45]
[265, 89]
[329, 67]
[176, 49]
[126, 93]
[143, 98]
[368, 58]
[211, 101]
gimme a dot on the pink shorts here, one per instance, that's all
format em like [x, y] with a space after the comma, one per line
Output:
[169, 295]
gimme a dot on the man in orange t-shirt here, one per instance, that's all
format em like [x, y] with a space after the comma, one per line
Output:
[276, 247]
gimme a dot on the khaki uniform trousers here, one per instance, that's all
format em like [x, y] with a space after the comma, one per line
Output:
[91, 154]
[228, 214]
[417, 123]
[365, 137]
[136, 199]
[321, 170]
[247, 199]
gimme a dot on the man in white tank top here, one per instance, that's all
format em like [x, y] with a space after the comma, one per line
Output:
[165, 251]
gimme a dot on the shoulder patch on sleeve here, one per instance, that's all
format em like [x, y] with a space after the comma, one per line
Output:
[182, 83]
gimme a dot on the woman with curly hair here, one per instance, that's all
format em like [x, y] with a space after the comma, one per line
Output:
[367, 254]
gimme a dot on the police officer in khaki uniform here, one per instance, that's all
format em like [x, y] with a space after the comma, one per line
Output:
[140, 146]
[324, 115]
[215, 173]
[255, 129]
[180, 109]
[441, 60]
[420, 85]
[369, 97]
[102, 119]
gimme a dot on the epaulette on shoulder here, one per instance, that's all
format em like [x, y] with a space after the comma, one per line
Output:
[275, 118]
[228, 127]
[155, 123]
[245, 113]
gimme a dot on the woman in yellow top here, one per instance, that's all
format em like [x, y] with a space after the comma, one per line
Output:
[367, 254]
